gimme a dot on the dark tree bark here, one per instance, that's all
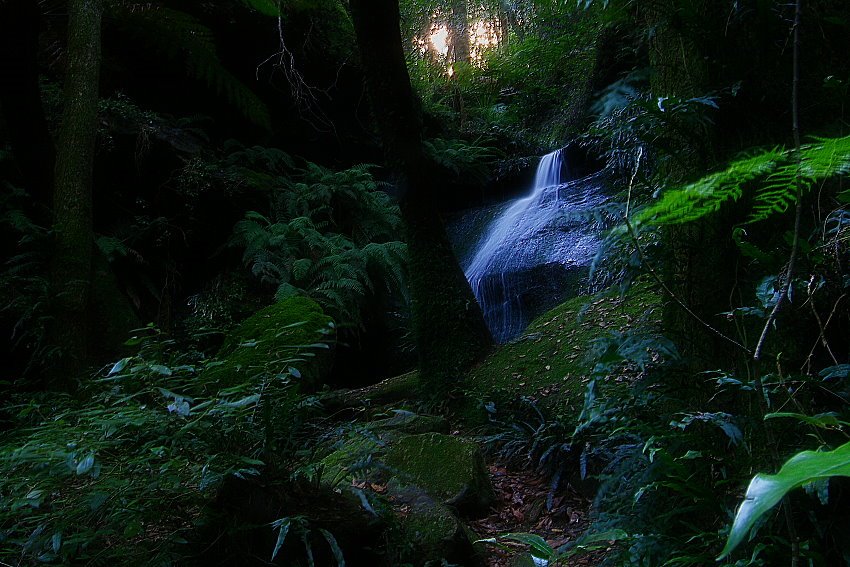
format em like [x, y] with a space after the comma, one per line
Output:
[701, 264]
[448, 325]
[73, 189]
[20, 101]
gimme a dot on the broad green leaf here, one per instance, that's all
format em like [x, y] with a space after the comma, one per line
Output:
[823, 420]
[538, 546]
[86, 464]
[246, 401]
[160, 369]
[118, 366]
[765, 491]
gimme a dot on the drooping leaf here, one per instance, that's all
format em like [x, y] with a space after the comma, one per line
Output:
[85, 465]
[335, 549]
[765, 491]
[282, 525]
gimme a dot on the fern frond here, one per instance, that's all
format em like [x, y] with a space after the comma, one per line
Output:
[778, 171]
[706, 195]
[179, 36]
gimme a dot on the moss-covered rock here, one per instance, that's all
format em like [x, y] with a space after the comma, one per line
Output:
[292, 337]
[451, 469]
[409, 422]
[429, 533]
[360, 455]
[548, 363]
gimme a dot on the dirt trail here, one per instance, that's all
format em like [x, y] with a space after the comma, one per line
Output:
[521, 498]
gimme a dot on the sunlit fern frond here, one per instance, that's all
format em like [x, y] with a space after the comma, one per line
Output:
[772, 175]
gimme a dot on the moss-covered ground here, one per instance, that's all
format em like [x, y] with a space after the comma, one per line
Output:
[549, 363]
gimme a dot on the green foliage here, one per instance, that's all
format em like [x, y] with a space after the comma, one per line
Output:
[333, 238]
[462, 158]
[778, 170]
[667, 132]
[120, 473]
[765, 491]
[180, 37]
[24, 286]
[540, 548]
[300, 527]
[267, 7]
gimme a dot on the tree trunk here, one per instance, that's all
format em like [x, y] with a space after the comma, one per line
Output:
[459, 32]
[20, 102]
[448, 325]
[71, 270]
[701, 276]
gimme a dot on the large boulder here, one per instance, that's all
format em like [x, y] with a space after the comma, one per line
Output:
[450, 469]
[429, 534]
[360, 456]
[290, 338]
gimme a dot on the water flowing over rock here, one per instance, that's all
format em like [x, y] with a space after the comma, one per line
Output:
[537, 250]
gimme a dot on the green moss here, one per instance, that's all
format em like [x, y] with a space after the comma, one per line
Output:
[351, 460]
[293, 333]
[409, 422]
[450, 469]
[548, 363]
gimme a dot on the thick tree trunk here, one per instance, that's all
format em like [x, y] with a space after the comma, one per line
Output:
[20, 101]
[701, 266]
[73, 189]
[448, 325]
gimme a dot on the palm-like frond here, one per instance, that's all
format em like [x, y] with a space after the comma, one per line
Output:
[334, 237]
[771, 175]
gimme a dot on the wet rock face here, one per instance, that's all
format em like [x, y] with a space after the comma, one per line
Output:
[531, 255]
[520, 296]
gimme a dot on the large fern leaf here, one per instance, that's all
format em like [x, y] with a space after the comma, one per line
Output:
[771, 175]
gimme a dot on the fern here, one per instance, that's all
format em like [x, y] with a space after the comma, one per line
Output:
[179, 36]
[777, 170]
[333, 237]
[463, 158]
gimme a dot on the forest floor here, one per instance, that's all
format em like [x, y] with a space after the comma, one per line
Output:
[521, 506]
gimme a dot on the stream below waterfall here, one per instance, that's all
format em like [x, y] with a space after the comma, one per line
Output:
[532, 252]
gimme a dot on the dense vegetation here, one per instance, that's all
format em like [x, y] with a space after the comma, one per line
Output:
[236, 331]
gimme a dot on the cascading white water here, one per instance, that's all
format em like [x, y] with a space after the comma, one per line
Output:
[537, 241]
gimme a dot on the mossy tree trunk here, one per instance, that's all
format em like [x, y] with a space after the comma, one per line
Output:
[701, 263]
[72, 200]
[448, 326]
[20, 102]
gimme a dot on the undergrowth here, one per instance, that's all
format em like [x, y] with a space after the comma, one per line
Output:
[120, 472]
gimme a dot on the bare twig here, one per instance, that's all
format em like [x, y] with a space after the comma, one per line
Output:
[789, 276]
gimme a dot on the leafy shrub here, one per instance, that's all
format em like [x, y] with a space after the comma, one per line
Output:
[331, 236]
[120, 473]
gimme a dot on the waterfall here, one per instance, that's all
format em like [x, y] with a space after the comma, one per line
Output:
[539, 244]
